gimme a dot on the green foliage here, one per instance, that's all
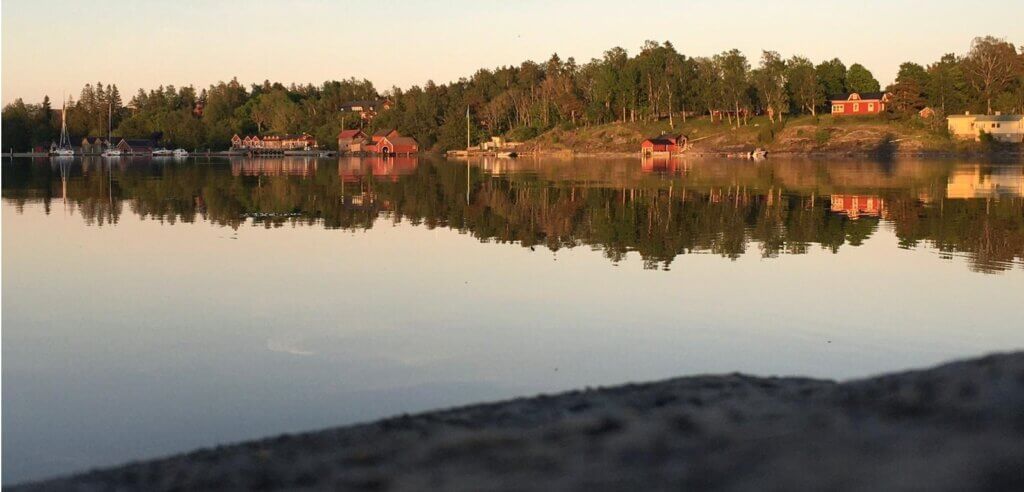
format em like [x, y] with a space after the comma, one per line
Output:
[859, 79]
[822, 136]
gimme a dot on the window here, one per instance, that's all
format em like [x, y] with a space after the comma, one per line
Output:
[856, 107]
[838, 108]
[871, 106]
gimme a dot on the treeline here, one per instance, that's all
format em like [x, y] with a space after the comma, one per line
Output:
[659, 219]
[522, 101]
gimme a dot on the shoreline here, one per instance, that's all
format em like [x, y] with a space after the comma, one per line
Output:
[956, 426]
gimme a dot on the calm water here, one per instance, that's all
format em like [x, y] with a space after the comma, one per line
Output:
[153, 307]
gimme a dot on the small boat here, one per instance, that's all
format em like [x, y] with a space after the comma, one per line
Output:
[162, 152]
[63, 148]
[113, 152]
[180, 153]
[511, 155]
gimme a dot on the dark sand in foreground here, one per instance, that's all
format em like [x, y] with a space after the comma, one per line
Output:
[955, 427]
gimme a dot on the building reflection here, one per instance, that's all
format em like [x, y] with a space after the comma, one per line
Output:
[274, 166]
[856, 206]
[355, 169]
[976, 181]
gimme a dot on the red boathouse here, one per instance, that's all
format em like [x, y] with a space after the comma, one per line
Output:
[663, 144]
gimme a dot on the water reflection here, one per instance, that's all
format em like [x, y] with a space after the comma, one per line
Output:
[660, 208]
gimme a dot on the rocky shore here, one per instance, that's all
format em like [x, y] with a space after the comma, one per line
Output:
[959, 426]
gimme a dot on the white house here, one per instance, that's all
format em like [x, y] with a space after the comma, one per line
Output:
[1002, 127]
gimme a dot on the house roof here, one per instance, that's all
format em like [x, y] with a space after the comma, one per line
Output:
[999, 117]
[383, 132]
[665, 139]
[137, 142]
[365, 103]
[864, 96]
[406, 141]
[350, 133]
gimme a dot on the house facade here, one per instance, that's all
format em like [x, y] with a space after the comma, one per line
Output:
[397, 145]
[347, 139]
[366, 109]
[859, 103]
[302, 141]
[1002, 127]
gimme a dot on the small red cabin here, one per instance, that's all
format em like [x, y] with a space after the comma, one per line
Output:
[663, 144]
[859, 103]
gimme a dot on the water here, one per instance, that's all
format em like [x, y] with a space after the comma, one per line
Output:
[152, 307]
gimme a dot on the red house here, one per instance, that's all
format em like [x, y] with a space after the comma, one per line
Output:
[663, 144]
[397, 145]
[859, 103]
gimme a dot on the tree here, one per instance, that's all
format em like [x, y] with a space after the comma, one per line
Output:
[735, 79]
[946, 87]
[990, 66]
[831, 77]
[802, 84]
[859, 79]
[908, 93]
[709, 83]
[770, 81]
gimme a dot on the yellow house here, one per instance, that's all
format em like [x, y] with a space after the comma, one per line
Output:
[1002, 127]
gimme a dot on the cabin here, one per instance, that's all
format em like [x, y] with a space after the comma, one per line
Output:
[236, 141]
[1008, 128]
[136, 146]
[663, 144]
[859, 103]
[366, 109]
[397, 145]
[348, 138]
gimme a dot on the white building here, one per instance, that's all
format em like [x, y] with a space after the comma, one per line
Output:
[1002, 127]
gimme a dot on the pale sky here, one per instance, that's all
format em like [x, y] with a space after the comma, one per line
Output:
[55, 47]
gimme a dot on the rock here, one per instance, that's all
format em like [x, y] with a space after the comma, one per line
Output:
[955, 427]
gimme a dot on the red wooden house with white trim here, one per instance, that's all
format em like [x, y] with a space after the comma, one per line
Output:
[859, 103]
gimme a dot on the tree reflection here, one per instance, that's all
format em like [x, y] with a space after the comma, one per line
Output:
[658, 210]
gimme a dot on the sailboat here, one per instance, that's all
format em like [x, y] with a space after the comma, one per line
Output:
[64, 146]
[111, 151]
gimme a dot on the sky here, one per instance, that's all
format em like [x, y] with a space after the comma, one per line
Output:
[55, 47]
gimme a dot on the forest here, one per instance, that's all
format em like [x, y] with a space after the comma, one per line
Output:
[656, 83]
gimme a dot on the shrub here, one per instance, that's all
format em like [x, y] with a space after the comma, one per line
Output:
[821, 136]
[522, 133]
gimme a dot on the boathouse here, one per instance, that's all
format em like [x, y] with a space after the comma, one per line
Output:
[663, 144]
[397, 145]
[859, 103]
[135, 146]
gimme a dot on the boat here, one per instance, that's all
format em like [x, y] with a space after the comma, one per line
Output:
[162, 152]
[63, 148]
[111, 150]
[180, 153]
